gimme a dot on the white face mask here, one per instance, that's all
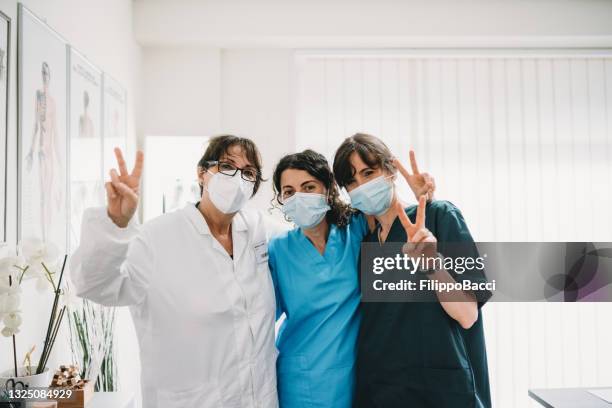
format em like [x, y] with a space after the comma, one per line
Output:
[229, 193]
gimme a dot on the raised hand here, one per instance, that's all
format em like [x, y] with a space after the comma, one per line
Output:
[420, 183]
[420, 240]
[458, 304]
[122, 190]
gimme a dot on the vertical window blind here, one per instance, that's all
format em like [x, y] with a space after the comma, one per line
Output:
[521, 142]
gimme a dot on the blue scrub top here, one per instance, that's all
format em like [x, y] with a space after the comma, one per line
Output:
[319, 295]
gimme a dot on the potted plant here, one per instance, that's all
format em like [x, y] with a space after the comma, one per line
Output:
[92, 329]
[37, 260]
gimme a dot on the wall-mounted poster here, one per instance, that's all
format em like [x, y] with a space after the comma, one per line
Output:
[42, 141]
[115, 124]
[85, 121]
[5, 46]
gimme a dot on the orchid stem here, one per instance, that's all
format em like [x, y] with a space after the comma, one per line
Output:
[14, 341]
[52, 320]
[49, 277]
[23, 271]
[15, 355]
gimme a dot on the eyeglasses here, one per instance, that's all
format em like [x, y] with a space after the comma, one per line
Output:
[246, 173]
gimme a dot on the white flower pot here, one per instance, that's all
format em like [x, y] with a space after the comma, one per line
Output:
[42, 380]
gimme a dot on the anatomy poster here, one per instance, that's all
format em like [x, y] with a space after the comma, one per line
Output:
[42, 137]
[86, 187]
[115, 125]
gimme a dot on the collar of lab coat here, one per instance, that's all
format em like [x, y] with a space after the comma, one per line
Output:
[197, 219]
[239, 231]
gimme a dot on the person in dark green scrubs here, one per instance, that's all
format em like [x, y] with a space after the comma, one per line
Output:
[427, 354]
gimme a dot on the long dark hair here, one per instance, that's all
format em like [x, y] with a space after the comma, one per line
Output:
[317, 166]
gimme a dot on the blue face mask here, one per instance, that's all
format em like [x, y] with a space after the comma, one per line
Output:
[373, 197]
[306, 210]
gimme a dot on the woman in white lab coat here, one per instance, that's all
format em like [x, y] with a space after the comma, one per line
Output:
[196, 281]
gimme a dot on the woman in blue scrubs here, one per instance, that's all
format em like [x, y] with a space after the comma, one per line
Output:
[314, 269]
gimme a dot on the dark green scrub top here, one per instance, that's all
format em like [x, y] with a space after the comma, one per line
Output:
[413, 355]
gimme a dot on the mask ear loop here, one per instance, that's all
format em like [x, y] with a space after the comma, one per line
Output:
[391, 179]
[202, 184]
[275, 205]
[344, 195]
[390, 163]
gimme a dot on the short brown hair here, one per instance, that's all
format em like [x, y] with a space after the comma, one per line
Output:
[219, 145]
[373, 151]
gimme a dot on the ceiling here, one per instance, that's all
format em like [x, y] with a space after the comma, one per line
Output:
[371, 23]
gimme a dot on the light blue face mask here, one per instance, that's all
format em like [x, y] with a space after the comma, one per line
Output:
[373, 197]
[306, 210]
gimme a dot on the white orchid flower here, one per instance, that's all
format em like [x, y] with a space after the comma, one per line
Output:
[10, 299]
[6, 268]
[34, 272]
[14, 290]
[10, 263]
[36, 251]
[12, 320]
[9, 302]
[4, 286]
[8, 332]
[69, 298]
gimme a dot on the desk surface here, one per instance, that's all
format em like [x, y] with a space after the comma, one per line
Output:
[569, 398]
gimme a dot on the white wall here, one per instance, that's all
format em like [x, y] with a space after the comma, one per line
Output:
[102, 30]
[181, 92]
[257, 103]
[206, 91]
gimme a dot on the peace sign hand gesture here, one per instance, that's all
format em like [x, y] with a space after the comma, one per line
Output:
[420, 240]
[420, 183]
[122, 190]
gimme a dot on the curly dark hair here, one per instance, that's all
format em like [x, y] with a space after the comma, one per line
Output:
[317, 166]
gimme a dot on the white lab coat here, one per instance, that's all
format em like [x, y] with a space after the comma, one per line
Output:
[205, 321]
